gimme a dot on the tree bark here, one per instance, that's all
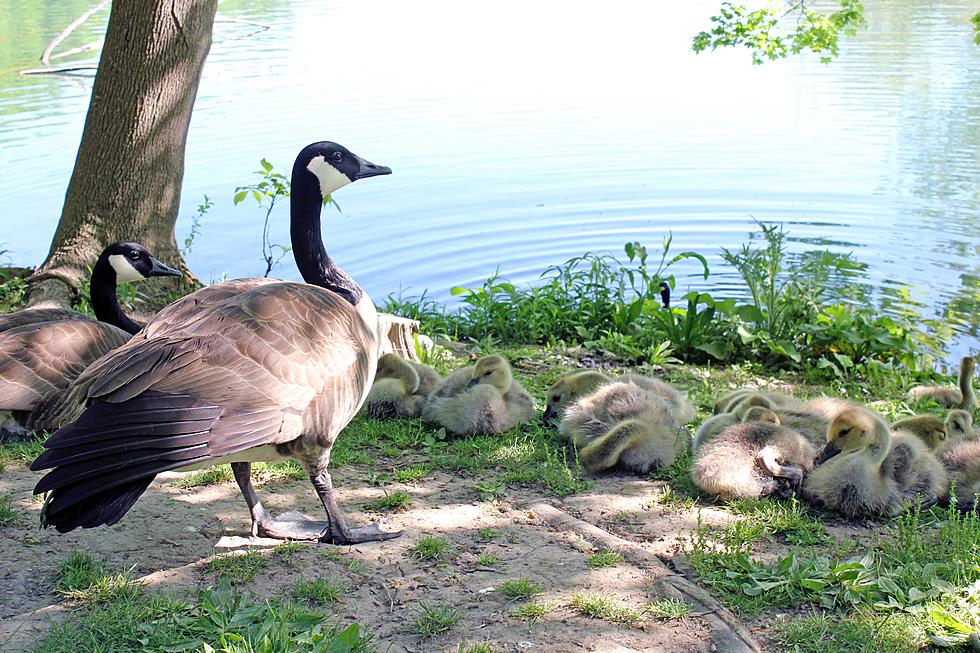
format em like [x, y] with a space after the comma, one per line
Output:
[130, 164]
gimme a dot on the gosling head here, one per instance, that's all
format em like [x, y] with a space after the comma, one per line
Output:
[569, 388]
[334, 166]
[968, 366]
[750, 402]
[853, 430]
[393, 366]
[132, 262]
[959, 423]
[760, 414]
[928, 428]
[492, 370]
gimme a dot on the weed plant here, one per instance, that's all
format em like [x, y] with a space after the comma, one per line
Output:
[519, 589]
[435, 620]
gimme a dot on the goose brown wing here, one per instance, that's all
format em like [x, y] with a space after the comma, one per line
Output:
[35, 315]
[191, 305]
[38, 361]
[261, 367]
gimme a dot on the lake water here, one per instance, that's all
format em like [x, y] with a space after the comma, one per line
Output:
[524, 133]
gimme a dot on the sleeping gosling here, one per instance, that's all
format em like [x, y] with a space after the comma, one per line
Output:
[962, 397]
[568, 389]
[400, 388]
[754, 459]
[716, 424]
[959, 425]
[928, 428]
[727, 403]
[682, 409]
[864, 472]
[623, 425]
[479, 400]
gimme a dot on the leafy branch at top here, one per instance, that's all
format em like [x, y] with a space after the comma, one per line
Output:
[770, 32]
[267, 191]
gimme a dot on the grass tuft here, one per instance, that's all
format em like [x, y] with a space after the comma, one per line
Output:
[602, 607]
[238, 568]
[532, 611]
[83, 578]
[519, 589]
[430, 548]
[488, 560]
[318, 592]
[9, 516]
[398, 501]
[435, 620]
[669, 609]
[604, 559]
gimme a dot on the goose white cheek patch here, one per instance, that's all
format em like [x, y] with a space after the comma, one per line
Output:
[124, 269]
[330, 178]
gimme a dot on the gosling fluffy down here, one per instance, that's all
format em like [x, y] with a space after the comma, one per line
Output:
[727, 403]
[928, 428]
[568, 389]
[962, 461]
[677, 402]
[716, 424]
[959, 425]
[479, 400]
[864, 471]
[624, 425]
[400, 388]
[753, 460]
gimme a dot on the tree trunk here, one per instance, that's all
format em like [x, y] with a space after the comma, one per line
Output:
[130, 164]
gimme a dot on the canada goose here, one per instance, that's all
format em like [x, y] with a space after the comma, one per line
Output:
[928, 428]
[962, 397]
[753, 459]
[39, 359]
[479, 399]
[959, 425]
[665, 293]
[864, 471]
[624, 424]
[274, 369]
[400, 388]
[728, 402]
[714, 425]
[569, 388]
[682, 409]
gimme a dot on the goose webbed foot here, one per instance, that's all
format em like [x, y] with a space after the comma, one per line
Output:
[337, 531]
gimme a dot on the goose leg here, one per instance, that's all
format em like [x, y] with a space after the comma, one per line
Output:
[263, 523]
[337, 531]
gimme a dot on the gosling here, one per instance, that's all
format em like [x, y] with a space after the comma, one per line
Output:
[962, 461]
[480, 399]
[928, 428]
[400, 388]
[727, 403]
[716, 424]
[864, 471]
[622, 425]
[568, 389]
[962, 397]
[754, 459]
[682, 409]
[959, 425]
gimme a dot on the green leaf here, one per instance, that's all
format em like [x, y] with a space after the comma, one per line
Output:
[715, 349]
[460, 290]
[239, 196]
[694, 255]
[266, 165]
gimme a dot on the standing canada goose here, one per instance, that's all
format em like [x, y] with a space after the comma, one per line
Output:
[714, 425]
[40, 358]
[959, 425]
[479, 399]
[623, 424]
[962, 397]
[568, 389]
[274, 369]
[757, 458]
[928, 428]
[864, 471]
[728, 402]
[400, 388]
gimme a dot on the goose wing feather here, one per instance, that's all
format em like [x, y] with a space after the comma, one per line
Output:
[35, 315]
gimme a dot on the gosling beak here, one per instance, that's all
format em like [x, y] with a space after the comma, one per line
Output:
[472, 383]
[549, 416]
[368, 169]
[161, 269]
[828, 452]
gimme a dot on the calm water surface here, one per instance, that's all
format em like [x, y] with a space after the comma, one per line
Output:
[522, 134]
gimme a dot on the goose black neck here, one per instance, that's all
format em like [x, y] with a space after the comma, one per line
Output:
[105, 303]
[312, 259]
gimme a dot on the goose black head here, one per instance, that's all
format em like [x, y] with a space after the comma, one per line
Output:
[335, 166]
[131, 262]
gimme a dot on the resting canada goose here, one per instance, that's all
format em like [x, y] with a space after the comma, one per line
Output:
[39, 359]
[479, 399]
[864, 471]
[400, 388]
[728, 402]
[928, 428]
[959, 425]
[623, 424]
[274, 369]
[962, 397]
[714, 425]
[568, 389]
[753, 459]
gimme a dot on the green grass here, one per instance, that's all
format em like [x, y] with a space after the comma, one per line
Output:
[356, 566]
[318, 592]
[238, 568]
[604, 559]
[220, 620]
[397, 501]
[669, 609]
[479, 647]
[788, 518]
[598, 606]
[205, 477]
[532, 611]
[83, 578]
[9, 516]
[519, 589]
[435, 620]
[22, 452]
[287, 550]
[488, 560]
[430, 548]
[837, 633]
[488, 534]
[411, 474]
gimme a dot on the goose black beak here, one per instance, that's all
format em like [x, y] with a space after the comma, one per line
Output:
[828, 452]
[368, 169]
[549, 416]
[161, 269]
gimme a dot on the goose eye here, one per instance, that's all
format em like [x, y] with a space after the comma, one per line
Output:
[134, 255]
[556, 399]
[338, 157]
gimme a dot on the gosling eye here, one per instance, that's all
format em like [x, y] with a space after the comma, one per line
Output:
[488, 373]
[942, 436]
[844, 432]
[556, 399]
